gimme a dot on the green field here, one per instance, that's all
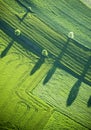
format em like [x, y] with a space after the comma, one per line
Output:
[40, 92]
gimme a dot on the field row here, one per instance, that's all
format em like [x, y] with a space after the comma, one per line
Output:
[21, 106]
[71, 54]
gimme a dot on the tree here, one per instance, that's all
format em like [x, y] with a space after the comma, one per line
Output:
[71, 35]
[45, 52]
[17, 32]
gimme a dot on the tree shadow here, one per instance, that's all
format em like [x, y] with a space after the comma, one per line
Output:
[23, 17]
[20, 3]
[27, 10]
[25, 42]
[5, 51]
[49, 74]
[73, 92]
[63, 50]
[25, 4]
[86, 67]
[89, 102]
[56, 63]
[38, 65]
[75, 89]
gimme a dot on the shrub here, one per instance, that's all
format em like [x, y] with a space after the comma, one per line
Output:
[30, 9]
[71, 35]
[17, 32]
[45, 52]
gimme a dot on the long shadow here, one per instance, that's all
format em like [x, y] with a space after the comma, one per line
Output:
[75, 89]
[49, 74]
[27, 10]
[5, 51]
[73, 93]
[61, 66]
[63, 50]
[86, 67]
[38, 65]
[89, 102]
[21, 4]
[55, 65]
[31, 45]
[23, 17]
[27, 43]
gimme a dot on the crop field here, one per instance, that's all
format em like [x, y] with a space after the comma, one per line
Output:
[45, 76]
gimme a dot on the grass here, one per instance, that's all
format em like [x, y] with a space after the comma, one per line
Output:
[15, 101]
[40, 36]
[59, 121]
[59, 92]
[38, 92]
[62, 19]
[87, 3]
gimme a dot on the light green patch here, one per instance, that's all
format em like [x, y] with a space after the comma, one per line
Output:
[17, 107]
[59, 121]
[87, 3]
[26, 101]
[56, 93]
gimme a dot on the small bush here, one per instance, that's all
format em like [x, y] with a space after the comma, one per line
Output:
[17, 32]
[45, 52]
[71, 35]
[30, 9]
